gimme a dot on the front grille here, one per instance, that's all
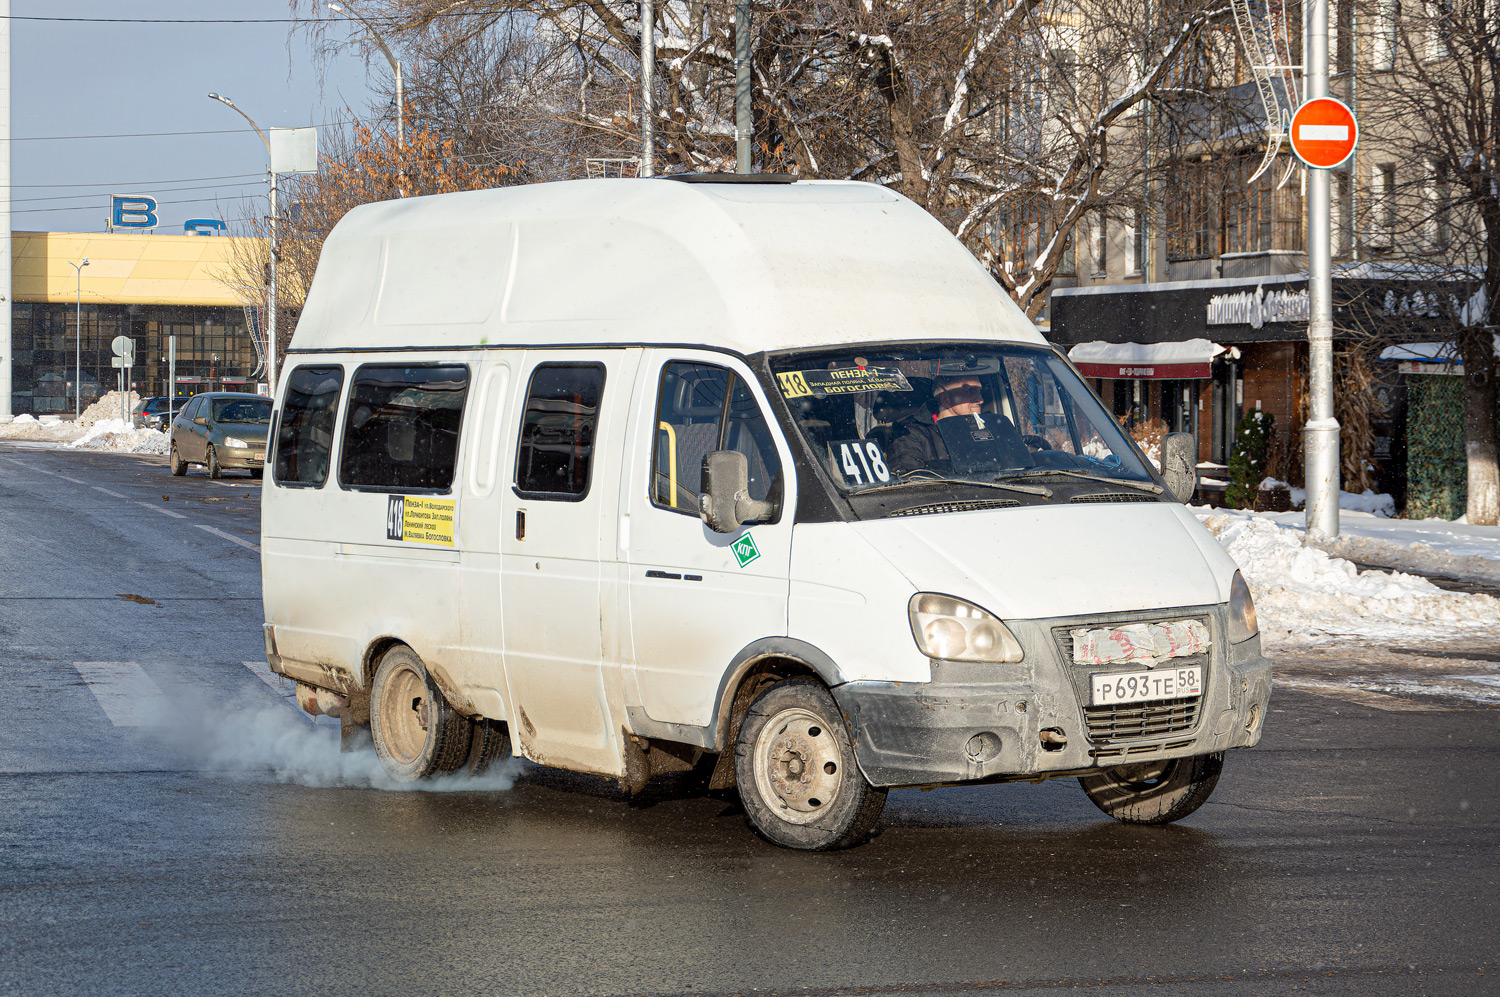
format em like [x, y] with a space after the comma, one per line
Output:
[970, 506]
[1129, 721]
[1115, 497]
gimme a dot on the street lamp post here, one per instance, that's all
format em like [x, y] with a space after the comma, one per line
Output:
[78, 326]
[339, 8]
[275, 248]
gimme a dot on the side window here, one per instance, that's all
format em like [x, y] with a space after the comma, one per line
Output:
[701, 408]
[401, 431]
[556, 450]
[190, 412]
[304, 432]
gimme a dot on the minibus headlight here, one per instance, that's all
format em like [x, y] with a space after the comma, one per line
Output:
[235, 443]
[954, 630]
[1242, 622]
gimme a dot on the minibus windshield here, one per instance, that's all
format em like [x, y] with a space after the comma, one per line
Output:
[962, 419]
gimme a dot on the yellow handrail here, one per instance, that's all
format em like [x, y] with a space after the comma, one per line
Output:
[671, 460]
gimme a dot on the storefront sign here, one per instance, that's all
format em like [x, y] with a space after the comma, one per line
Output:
[1257, 308]
[132, 211]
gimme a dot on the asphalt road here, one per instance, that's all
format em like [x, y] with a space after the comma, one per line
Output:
[169, 823]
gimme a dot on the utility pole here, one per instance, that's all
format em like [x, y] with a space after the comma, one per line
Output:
[648, 106]
[5, 276]
[1320, 438]
[744, 125]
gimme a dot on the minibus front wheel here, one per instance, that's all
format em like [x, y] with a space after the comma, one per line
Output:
[416, 732]
[1155, 792]
[795, 768]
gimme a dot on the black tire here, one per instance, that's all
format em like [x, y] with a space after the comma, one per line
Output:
[215, 471]
[1154, 792]
[417, 734]
[489, 745]
[257, 472]
[798, 780]
[179, 466]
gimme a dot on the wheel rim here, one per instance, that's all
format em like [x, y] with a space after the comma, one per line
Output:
[799, 770]
[404, 715]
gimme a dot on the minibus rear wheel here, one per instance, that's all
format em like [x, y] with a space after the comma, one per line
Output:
[488, 746]
[795, 768]
[416, 732]
[1155, 792]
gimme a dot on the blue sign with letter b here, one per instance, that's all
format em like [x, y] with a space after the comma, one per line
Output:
[132, 211]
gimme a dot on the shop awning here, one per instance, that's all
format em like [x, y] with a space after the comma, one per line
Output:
[1189, 358]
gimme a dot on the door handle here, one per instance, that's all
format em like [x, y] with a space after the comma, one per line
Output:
[673, 576]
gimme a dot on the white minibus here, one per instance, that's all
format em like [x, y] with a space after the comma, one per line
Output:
[759, 477]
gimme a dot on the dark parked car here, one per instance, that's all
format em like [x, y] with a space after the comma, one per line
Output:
[152, 412]
[222, 430]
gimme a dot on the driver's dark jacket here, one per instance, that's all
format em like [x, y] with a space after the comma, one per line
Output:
[917, 444]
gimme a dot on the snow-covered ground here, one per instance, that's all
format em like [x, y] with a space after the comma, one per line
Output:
[1307, 597]
[105, 434]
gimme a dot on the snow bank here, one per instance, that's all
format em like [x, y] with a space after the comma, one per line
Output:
[117, 436]
[1303, 594]
[108, 408]
[29, 429]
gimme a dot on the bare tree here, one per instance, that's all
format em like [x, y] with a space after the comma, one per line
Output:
[1432, 135]
[983, 112]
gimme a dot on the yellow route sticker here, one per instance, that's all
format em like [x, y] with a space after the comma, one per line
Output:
[416, 519]
[841, 381]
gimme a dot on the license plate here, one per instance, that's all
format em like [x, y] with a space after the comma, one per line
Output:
[258, 455]
[1144, 687]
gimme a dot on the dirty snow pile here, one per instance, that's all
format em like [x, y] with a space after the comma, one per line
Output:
[117, 436]
[28, 428]
[1302, 594]
[108, 407]
[1370, 501]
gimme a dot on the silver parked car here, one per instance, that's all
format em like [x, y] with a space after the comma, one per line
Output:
[222, 430]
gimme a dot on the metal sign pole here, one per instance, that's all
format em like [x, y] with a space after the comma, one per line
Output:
[1320, 438]
[744, 123]
[171, 378]
[648, 84]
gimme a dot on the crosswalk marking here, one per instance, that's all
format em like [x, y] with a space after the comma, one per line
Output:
[230, 537]
[124, 692]
[156, 506]
[281, 685]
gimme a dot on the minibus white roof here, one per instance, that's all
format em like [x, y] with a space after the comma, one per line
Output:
[744, 266]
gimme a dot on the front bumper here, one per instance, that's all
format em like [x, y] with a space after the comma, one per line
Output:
[250, 458]
[1026, 721]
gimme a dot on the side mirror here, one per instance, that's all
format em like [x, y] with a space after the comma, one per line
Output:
[202, 420]
[725, 503]
[1179, 464]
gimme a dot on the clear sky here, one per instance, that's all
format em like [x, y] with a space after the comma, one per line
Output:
[72, 78]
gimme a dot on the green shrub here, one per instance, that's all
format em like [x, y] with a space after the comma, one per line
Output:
[1247, 467]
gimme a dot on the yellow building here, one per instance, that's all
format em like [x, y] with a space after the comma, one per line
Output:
[145, 286]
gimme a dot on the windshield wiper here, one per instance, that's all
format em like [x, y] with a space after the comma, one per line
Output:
[1041, 490]
[1144, 486]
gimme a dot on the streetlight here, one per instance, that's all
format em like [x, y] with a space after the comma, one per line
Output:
[78, 323]
[339, 8]
[275, 247]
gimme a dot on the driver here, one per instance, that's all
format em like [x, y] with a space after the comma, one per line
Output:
[920, 443]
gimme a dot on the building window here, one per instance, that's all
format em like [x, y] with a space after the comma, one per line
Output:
[1100, 243]
[401, 428]
[1189, 219]
[1135, 241]
[1437, 209]
[1259, 217]
[1343, 214]
[556, 451]
[1382, 207]
[1383, 40]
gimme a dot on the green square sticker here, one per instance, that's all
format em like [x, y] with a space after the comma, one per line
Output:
[745, 550]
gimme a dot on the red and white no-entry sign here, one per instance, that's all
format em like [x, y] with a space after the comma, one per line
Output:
[1324, 133]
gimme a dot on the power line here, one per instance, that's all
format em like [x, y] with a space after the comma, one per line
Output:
[155, 189]
[191, 200]
[134, 183]
[220, 131]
